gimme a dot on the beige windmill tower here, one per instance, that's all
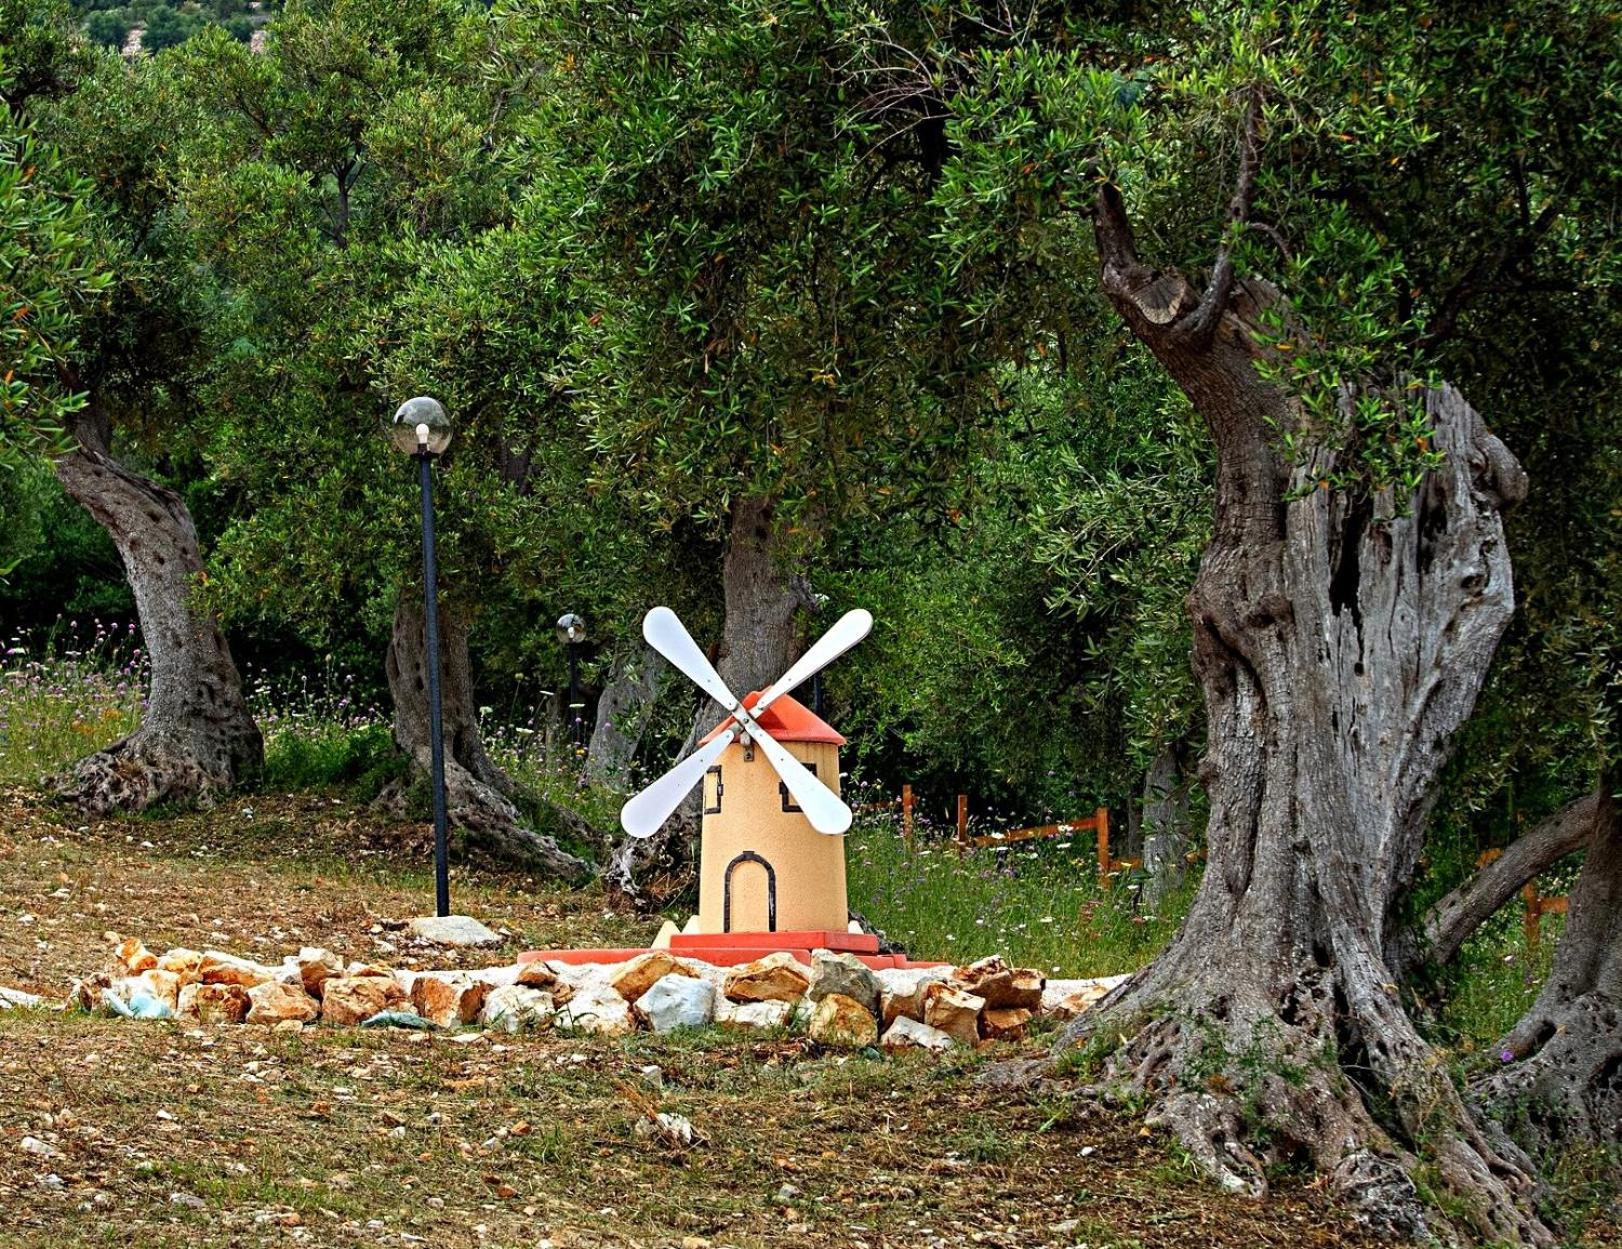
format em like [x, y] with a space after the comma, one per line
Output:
[772, 863]
[763, 867]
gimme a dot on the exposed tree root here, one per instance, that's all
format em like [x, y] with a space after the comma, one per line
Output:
[1247, 1084]
[141, 771]
[491, 826]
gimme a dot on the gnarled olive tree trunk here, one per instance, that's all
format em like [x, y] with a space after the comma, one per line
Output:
[1167, 830]
[1562, 1085]
[196, 738]
[477, 792]
[1339, 642]
[623, 712]
[759, 641]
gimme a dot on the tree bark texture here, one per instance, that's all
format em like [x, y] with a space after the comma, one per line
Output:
[1166, 829]
[1448, 924]
[1339, 644]
[623, 712]
[196, 738]
[477, 792]
[1563, 1084]
[759, 641]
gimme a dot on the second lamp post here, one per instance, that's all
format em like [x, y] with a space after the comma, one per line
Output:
[421, 429]
[572, 632]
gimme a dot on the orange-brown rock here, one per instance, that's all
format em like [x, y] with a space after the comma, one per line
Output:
[953, 1011]
[1008, 1023]
[776, 978]
[631, 980]
[187, 964]
[447, 1000]
[214, 1003]
[218, 968]
[131, 958]
[903, 992]
[535, 974]
[842, 1022]
[1001, 986]
[346, 1000]
[157, 983]
[315, 965]
[274, 1002]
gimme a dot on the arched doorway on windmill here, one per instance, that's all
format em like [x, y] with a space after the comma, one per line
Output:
[749, 895]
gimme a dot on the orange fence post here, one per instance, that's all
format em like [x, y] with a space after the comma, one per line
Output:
[1533, 921]
[962, 823]
[906, 814]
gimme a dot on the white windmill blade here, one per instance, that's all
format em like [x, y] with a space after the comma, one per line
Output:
[667, 635]
[848, 630]
[824, 808]
[644, 814]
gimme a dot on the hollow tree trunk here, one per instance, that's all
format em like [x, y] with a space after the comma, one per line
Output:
[758, 643]
[1563, 1084]
[196, 738]
[1448, 924]
[1166, 828]
[1338, 646]
[623, 712]
[477, 792]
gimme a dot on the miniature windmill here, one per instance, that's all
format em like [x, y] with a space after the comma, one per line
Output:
[772, 858]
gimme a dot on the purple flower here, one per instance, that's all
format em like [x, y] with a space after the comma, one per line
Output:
[1507, 1056]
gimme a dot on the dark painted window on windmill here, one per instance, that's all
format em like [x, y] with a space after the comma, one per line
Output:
[712, 791]
[782, 790]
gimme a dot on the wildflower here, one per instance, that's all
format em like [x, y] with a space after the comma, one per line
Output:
[1507, 1056]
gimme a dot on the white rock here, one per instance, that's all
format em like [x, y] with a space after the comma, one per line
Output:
[1069, 998]
[907, 1033]
[40, 1149]
[516, 1008]
[761, 1016]
[497, 977]
[596, 1008]
[455, 930]
[677, 1001]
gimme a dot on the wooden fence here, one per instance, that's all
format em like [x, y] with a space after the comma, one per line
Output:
[1537, 906]
[1097, 823]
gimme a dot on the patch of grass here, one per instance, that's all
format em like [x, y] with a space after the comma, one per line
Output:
[66, 694]
[1493, 981]
[323, 754]
[984, 1145]
[1037, 903]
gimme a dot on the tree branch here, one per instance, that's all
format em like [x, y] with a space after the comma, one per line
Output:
[1202, 322]
[1451, 921]
[1479, 278]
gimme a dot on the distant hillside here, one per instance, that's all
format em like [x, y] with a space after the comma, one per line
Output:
[152, 25]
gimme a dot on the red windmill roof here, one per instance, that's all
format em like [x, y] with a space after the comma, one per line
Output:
[789, 721]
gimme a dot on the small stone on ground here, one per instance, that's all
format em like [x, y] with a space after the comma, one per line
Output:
[461, 931]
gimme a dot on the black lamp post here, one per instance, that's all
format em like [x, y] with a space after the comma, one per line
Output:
[421, 429]
[572, 632]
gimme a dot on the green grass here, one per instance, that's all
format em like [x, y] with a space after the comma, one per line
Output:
[1036, 903]
[1495, 977]
[65, 695]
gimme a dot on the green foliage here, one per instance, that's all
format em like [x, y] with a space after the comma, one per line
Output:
[1038, 904]
[49, 276]
[323, 755]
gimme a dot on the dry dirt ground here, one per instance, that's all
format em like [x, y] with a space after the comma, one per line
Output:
[160, 1134]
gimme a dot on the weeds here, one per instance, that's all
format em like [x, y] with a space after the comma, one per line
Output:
[66, 694]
